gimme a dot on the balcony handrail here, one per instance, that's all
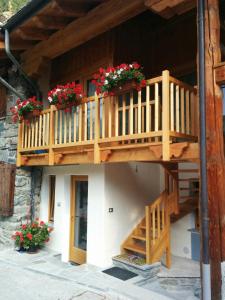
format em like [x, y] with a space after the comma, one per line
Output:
[163, 112]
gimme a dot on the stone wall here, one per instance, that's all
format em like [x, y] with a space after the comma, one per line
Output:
[8, 145]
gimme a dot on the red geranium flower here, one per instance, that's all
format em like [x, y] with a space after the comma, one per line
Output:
[29, 236]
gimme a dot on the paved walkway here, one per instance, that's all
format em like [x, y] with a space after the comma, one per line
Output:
[43, 276]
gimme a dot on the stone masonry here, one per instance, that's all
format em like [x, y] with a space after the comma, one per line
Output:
[8, 146]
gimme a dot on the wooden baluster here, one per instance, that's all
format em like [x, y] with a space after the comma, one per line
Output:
[110, 117]
[29, 135]
[40, 131]
[36, 132]
[153, 225]
[156, 107]
[131, 113]
[193, 125]
[26, 135]
[124, 115]
[97, 130]
[182, 110]
[51, 131]
[91, 120]
[85, 127]
[70, 126]
[158, 222]
[103, 117]
[187, 128]
[48, 128]
[80, 122]
[32, 132]
[172, 106]
[60, 127]
[166, 117]
[163, 216]
[56, 127]
[44, 129]
[116, 117]
[75, 125]
[139, 112]
[177, 108]
[143, 121]
[65, 128]
[22, 135]
[136, 120]
[148, 116]
[148, 234]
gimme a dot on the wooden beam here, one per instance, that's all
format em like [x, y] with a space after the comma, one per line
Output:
[18, 45]
[71, 9]
[220, 73]
[33, 34]
[105, 16]
[169, 8]
[49, 22]
[214, 147]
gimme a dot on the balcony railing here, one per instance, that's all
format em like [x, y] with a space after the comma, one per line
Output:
[164, 112]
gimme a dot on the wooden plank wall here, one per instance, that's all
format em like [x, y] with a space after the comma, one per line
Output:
[84, 60]
[158, 44]
[147, 38]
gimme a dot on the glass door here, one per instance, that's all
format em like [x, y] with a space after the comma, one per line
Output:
[78, 223]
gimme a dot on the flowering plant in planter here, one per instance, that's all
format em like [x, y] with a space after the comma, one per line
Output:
[32, 236]
[112, 78]
[23, 110]
[66, 96]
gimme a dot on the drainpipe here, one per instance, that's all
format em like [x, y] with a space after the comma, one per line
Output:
[8, 86]
[205, 265]
[17, 64]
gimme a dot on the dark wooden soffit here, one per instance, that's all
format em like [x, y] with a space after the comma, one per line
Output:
[98, 20]
[220, 73]
[54, 16]
[170, 8]
[65, 24]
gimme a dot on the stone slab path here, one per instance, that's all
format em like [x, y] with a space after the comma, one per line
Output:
[43, 276]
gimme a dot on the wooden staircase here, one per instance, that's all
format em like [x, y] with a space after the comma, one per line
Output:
[151, 237]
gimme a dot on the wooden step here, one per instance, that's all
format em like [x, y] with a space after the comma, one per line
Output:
[139, 237]
[189, 189]
[185, 171]
[135, 248]
[188, 179]
[188, 197]
[142, 227]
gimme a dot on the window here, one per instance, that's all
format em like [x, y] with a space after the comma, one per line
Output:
[90, 88]
[51, 198]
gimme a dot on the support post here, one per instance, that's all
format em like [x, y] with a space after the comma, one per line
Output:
[215, 165]
[97, 131]
[166, 115]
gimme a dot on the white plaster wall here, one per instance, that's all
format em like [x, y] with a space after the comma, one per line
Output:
[128, 188]
[125, 187]
[95, 232]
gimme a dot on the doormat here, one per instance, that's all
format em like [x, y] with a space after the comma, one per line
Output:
[120, 273]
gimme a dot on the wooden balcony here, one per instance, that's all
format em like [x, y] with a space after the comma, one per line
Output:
[159, 123]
